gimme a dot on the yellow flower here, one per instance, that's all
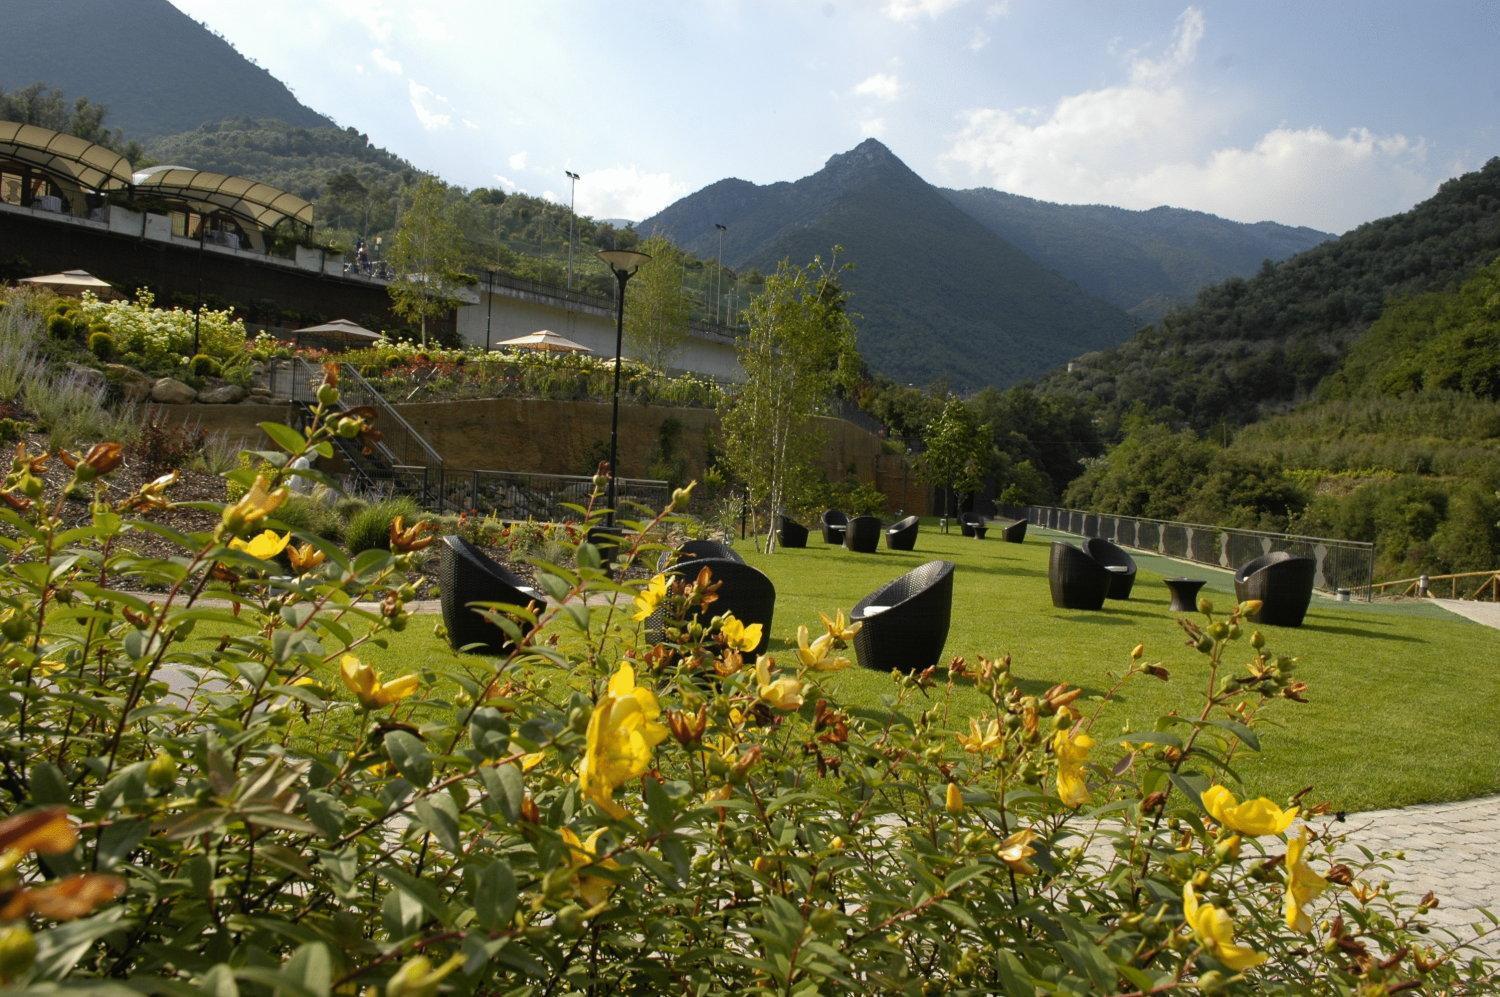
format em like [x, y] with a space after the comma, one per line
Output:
[1215, 932]
[649, 597]
[417, 978]
[1072, 751]
[372, 693]
[817, 654]
[1016, 850]
[622, 732]
[305, 558]
[784, 693]
[1302, 884]
[1253, 817]
[255, 505]
[954, 801]
[739, 636]
[264, 546]
[593, 890]
[981, 739]
[838, 629]
[532, 760]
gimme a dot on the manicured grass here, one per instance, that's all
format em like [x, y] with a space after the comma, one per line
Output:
[1404, 701]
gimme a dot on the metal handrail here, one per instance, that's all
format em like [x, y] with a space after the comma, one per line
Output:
[388, 416]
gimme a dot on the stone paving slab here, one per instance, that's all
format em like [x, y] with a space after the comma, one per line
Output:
[1487, 613]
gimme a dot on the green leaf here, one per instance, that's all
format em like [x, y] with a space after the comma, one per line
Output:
[1151, 737]
[59, 949]
[309, 970]
[285, 437]
[410, 756]
[494, 895]
[504, 786]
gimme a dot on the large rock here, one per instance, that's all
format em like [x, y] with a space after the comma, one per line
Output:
[134, 386]
[224, 394]
[170, 391]
[90, 377]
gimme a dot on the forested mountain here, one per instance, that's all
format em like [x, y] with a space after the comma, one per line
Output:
[1248, 347]
[938, 294]
[156, 69]
[1142, 261]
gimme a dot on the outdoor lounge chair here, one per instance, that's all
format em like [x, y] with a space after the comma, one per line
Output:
[973, 526]
[966, 525]
[744, 591]
[862, 534]
[467, 575]
[902, 535]
[1120, 565]
[905, 622]
[833, 526]
[1015, 533]
[697, 550]
[1282, 582]
[791, 533]
[1077, 580]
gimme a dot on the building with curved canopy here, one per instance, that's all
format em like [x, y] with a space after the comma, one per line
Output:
[239, 212]
[52, 171]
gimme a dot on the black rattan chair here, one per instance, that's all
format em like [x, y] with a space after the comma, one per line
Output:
[974, 525]
[1015, 533]
[1120, 565]
[791, 533]
[1077, 580]
[1282, 582]
[903, 535]
[834, 523]
[697, 550]
[909, 633]
[862, 534]
[965, 526]
[467, 575]
[744, 591]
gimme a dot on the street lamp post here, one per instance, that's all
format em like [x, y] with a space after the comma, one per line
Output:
[719, 272]
[623, 263]
[573, 179]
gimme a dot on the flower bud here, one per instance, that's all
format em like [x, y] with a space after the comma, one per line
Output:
[162, 772]
[570, 921]
[1205, 605]
[681, 497]
[328, 394]
[1228, 849]
[1137, 651]
[954, 800]
[1256, 640]
[837, 844]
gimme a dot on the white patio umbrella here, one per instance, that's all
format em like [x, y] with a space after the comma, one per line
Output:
[545, 340]
[72, 282]
[340, 328]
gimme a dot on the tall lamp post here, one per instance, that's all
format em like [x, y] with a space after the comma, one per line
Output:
[573, 179]
[623, 263]
[719, 272]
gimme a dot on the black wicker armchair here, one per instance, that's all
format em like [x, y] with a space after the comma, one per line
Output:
[1120, 565]
[744, 591]
[905, 622]
[467, 575]
[1077, 580]
[697, 550]
[1282, 582]
[974, 525]
[965, 526]
[1014, 533]
[791, 533]
[862, 534]
[902, 535]
[834, 523]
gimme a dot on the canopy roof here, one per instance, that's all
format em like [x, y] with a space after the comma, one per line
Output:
[546, 340]
[259, 203]
[341, 327]
[89, 165]
[72, 282]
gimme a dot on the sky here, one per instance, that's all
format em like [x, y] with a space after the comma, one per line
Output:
[1327, 113]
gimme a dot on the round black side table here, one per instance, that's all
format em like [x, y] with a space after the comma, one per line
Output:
[1184, 593]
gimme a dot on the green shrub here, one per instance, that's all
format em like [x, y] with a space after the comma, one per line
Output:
[348, 506]
[61, 327]
[307, 514]
[369, 528]
[221, 796]
[12, 430]
[101, 345]
[205, 366]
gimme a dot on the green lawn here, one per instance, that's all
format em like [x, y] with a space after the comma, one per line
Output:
[1404, 701]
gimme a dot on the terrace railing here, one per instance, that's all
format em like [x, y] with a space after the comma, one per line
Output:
[1341, 564]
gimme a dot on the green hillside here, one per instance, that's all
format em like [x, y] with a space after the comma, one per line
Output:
[937, 294]
[157, 69]
[1142, 261]
[1252, 347]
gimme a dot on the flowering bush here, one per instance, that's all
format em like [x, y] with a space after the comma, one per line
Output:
[163, 336]
[214, 790]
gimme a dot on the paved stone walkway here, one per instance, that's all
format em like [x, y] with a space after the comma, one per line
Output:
[1487, 613]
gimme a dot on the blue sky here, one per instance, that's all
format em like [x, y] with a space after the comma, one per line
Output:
[1326, 113]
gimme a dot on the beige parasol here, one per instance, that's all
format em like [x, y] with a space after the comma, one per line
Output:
[545, 340]
[72, 282]
[339, 328]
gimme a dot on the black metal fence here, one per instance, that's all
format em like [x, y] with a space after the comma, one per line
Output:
[1341, 564]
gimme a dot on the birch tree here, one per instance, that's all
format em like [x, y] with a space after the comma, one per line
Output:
[799, 346]
[658, 310]
[427, 252]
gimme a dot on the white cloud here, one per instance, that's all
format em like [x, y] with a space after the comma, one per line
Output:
[997, 10]
[517, 160]
[978, 40]
[506, 183]
[872, 127]
[626, 192]
[1156, 140]
[432, 109]
[881, 86]
[908, 10]
[385, 62]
